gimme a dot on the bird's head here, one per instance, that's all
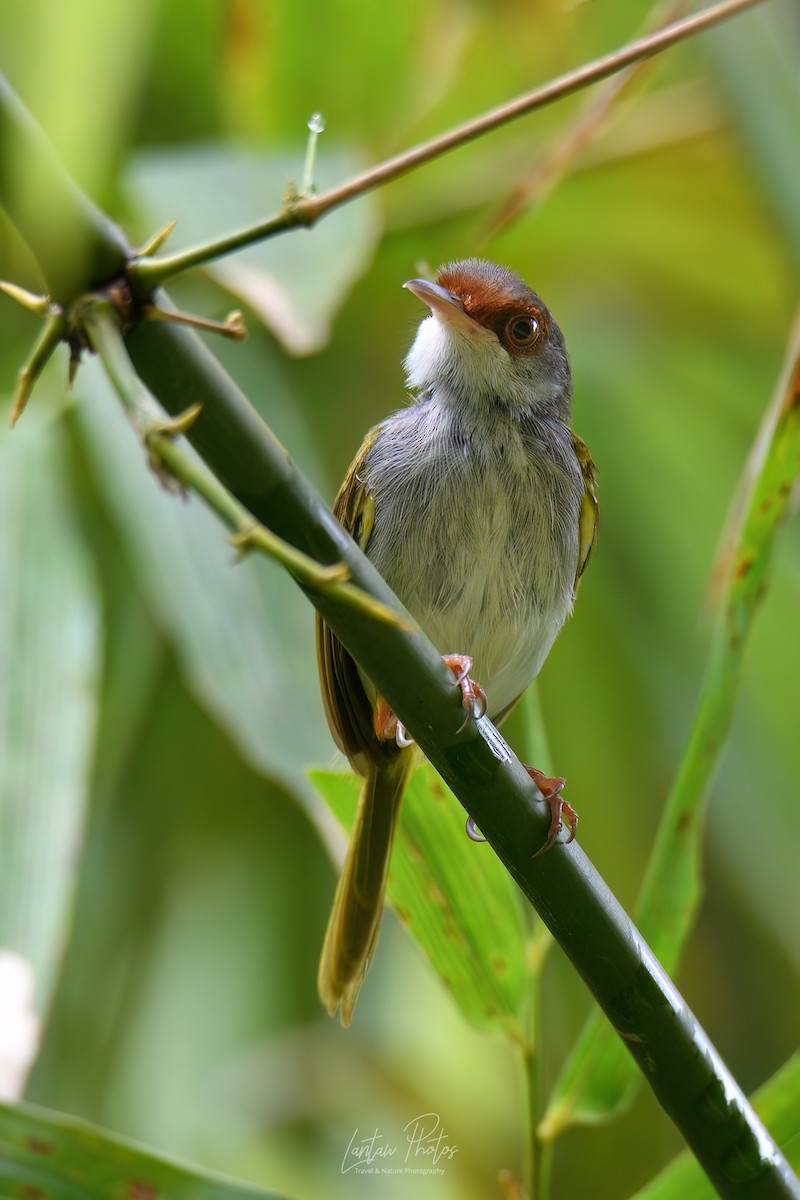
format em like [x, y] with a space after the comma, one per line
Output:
[489, 340]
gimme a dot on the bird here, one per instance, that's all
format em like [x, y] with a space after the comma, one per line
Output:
[478, 505]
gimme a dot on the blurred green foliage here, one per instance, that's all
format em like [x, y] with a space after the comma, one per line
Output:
[186, 1012]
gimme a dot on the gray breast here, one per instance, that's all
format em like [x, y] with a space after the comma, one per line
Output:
[478, 536]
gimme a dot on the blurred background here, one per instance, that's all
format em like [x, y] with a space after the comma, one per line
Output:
[175, 705]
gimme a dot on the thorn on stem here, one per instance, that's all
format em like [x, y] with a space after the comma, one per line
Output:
[178, 425]
[334, 573]
[153, 436]
[43, 306]
[22, 392]
[50, 337]
[232, 327]
[74, 363]
[154, 244]
[245, 540]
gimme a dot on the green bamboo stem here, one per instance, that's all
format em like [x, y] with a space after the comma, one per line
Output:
[661, 1033]
[167, 458]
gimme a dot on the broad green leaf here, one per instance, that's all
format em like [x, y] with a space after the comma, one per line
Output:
[599, 1078]
[455, 897]
[45, 1153]
[243, 635]
[777, 1104]
[295, 284]
[49, 674]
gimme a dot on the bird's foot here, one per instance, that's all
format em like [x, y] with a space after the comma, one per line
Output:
[389, 728]
[473, 697]
[551, 788]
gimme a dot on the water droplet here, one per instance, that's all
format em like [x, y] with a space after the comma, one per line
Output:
[316, 123]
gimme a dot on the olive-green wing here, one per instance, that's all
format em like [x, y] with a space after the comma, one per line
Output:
[347, 706]
[589, 515]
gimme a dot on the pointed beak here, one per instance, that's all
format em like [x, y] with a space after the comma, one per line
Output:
[443, 304]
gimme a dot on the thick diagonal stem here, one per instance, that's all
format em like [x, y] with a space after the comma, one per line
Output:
[673, 1052]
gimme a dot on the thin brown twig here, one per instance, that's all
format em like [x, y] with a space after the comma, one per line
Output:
[590, 122]
[148, 273]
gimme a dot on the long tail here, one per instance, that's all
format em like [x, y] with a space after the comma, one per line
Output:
[358, 905]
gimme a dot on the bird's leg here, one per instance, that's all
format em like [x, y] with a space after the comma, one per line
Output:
[559, 808]
[473, 697]
[387, 726]
[551, 788]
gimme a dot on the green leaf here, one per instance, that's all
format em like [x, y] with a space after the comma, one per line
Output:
[294, 284]
[455, 897]
[245, 643]
[49, 674]
[777, 1104]
[599, 1078]
[48, 1154]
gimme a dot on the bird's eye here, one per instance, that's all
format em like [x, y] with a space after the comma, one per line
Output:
[522, 331]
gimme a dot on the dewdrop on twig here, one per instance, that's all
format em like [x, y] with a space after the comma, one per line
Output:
[316, 126]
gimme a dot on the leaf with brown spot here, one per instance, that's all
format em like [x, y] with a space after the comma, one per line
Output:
[49, 1156]
[39, 1145]
[137, 1189]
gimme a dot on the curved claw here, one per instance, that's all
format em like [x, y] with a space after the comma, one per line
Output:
[465, 722]
[401, 737]
[476, 707]
[552, 838]
[551, 788]
[472, 832]
[473, 697]
[387, 726]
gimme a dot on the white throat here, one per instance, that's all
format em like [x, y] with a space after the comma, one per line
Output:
[463, 365]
